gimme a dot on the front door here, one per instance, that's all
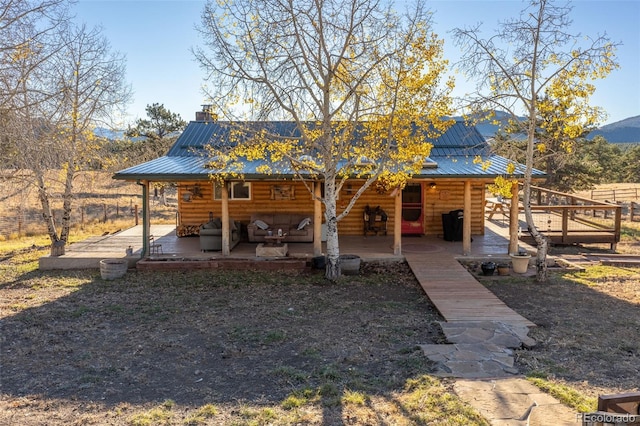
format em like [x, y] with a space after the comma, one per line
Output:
[412, 210]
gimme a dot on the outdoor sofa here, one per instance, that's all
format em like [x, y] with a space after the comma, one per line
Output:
[211, 235]
[298, 227]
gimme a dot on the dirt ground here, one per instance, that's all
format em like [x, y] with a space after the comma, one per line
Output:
[588, 323]
[75, 349]
[80, 350]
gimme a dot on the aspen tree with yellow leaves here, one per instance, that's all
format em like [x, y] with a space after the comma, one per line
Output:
[363, 83]
[533, 67]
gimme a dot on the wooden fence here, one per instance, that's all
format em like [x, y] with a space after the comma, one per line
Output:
[622, 194]
[30, 222]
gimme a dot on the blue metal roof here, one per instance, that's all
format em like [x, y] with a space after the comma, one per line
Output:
[454, 152]
[201, 133]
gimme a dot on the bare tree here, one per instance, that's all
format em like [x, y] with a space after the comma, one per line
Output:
[533, 66]
[356, 78]
[26, 44]
[90, 83]
[25, 29]
[50, 124]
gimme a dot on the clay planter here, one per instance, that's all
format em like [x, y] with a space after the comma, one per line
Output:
[520, 262]
[488, 268]
[503, 269]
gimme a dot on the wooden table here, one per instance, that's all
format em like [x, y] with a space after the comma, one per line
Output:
[496, 205]
[274, 239]
[273, 246]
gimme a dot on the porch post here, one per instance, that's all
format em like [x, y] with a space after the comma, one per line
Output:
[225, 219]
[146, 217]
[397, 223]
[514, 210]
[466, 219]
[317, 220]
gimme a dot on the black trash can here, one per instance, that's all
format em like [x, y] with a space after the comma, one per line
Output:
[452, 225]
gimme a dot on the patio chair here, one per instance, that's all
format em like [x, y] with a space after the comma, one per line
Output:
[154, 248]
[374, 220]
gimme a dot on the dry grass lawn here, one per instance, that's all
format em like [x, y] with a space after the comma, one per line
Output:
[587, 326]
[232, 348]
[243, 348]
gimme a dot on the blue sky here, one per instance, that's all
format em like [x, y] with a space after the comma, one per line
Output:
[156, 37]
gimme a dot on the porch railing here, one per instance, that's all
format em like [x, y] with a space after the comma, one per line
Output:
[570, 219]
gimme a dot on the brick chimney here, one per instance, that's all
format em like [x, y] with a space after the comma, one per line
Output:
[205, 114]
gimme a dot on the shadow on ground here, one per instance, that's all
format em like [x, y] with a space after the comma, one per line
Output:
[202, 336]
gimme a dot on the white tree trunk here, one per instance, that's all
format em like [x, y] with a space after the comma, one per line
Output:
[541, 242]
[332, 272]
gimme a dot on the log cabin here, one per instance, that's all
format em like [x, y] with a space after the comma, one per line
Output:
[451, 185]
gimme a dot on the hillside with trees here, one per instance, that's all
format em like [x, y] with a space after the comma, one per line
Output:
[626, 131]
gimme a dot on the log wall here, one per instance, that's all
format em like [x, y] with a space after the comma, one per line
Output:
[447, 196]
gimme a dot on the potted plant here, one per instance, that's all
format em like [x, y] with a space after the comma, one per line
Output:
[503, 269]
[520, 261]
[488, 268]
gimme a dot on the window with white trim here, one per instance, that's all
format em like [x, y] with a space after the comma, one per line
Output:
[238, 190]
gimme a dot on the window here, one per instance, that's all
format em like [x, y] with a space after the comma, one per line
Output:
[237, 191]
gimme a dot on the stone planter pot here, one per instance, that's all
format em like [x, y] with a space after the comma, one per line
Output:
[349, 264]
[520, 262]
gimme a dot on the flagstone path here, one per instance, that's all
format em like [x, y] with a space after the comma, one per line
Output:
[481, 330]
[482, 333]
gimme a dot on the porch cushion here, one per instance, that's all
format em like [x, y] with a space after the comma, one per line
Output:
[261, 224]
[211, 237]
[213, 224]
[304, 222]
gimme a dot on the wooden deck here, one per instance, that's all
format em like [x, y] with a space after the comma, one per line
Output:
[88, 253]
[456, 294]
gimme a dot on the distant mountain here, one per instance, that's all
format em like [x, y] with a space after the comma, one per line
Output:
[488, 128]
[117, 135]
[624, 131]
[112, 135]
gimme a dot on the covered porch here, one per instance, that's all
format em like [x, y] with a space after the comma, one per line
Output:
[493, 244]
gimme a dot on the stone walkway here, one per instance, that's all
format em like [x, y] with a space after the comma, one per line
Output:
[482, 333]
[478, 349]
[514, 402]
[481, 330]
